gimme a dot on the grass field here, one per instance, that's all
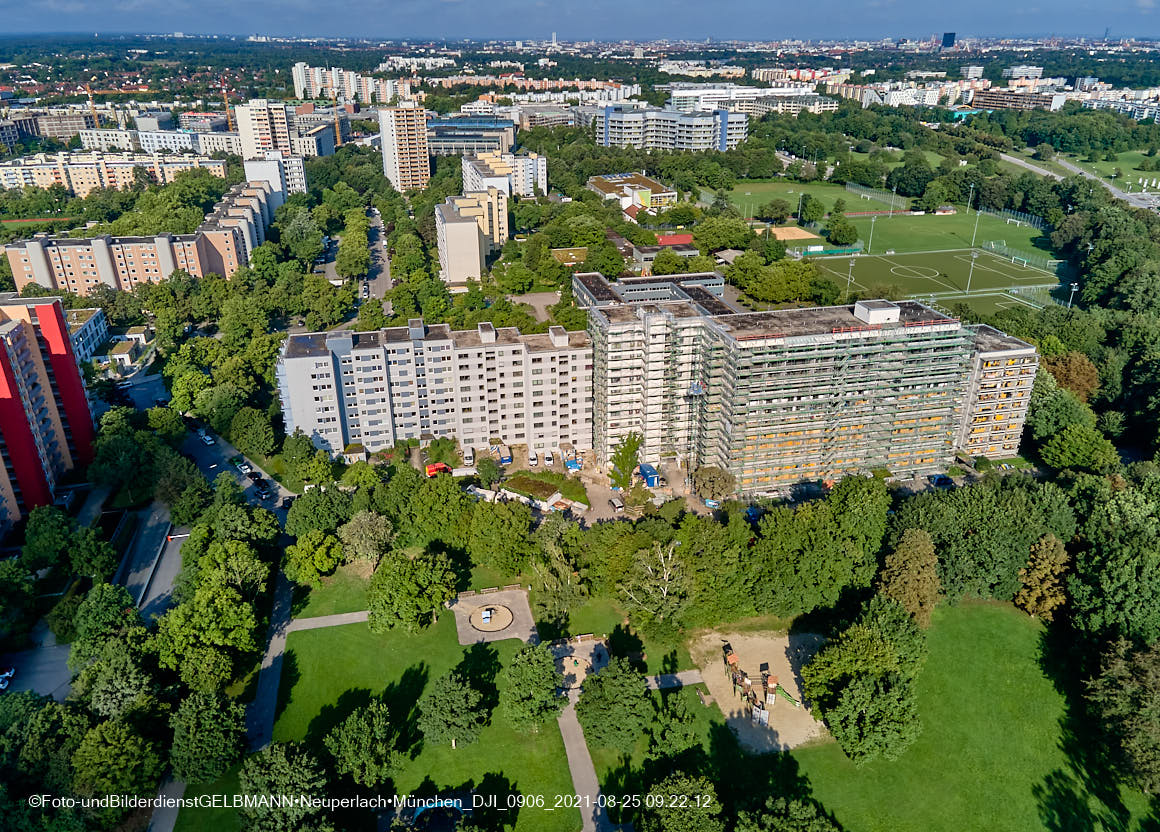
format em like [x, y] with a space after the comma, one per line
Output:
[990, 755]
[543, 484]
[330, 672]
[941, 275]
[344, 591]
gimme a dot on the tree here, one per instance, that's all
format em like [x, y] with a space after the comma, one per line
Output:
[48, 535]
[370, 315]
[318, 510]
[782, 815]
[666, 262]
[1043, 588]
[55, 731]
[875, 716]
[1044, 152]
[450, 711]
[166, 422]
[682, 803]
[315, 554]
[364, 746]
[200, 637]
[91, 556]
[209, 733]
[407, 591]
[366, 536]
[841, 232]
[615, 706]
[812, 209]
[657, 586]
[116, 683]
[1080, 447]
[1074, 371]
[251, 432]
[488, 471]
[776, 211]
[297, 450]
[283, 768]
[713, 483]
[624, 461]
[107, 611]
[499, 536]
[114, 759]
[529, 688]
[910, 575]
[1125, 696]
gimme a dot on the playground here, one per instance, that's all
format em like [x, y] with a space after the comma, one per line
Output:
[767, 713]
[943, 276]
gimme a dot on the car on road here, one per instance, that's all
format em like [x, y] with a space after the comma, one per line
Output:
[263, 489]
[366, 290]
[6, 677]
[254, 476]
[286, 503]
[242, 465]
[206, 438]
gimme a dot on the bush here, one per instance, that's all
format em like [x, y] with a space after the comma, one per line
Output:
[61, 620]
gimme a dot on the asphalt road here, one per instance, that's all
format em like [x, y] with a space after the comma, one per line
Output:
[379, 274]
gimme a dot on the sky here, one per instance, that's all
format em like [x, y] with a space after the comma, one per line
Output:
[586, 19]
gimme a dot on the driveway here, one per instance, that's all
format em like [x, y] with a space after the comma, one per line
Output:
[539, 301]
[44, 669]
[379, 274]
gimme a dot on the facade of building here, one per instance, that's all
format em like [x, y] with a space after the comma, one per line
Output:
[285, 174]
[467, 229]
[1012, 100]
[654, 128]
[335, 83]
[203, 122]
[694, 98]
[417, 382]
[514, 175]
[470, 135]
[1023, 71]
[406, 157]
[265, 125]
[56, 124]
[781, 397]
[221, 244]
[46, 426]
[81, 173]
[87, 329]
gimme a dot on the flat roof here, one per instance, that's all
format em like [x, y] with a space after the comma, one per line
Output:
[612, 183]
[989, 339]
[309, 344]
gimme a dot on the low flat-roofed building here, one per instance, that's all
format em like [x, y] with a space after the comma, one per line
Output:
[631, 189]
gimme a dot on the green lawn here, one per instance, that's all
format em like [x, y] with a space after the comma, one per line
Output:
[219, 820]
[748, 196]
[991, 740]
[1128, 162]
[329, 672]
[932, 232]
[543, 484]
[344, 591]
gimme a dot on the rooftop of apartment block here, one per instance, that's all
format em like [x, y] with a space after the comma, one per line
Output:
[310, 344]
[613, 183]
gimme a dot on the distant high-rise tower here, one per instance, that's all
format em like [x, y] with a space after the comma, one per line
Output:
[406, 158]
[948, 41]
[553, 39]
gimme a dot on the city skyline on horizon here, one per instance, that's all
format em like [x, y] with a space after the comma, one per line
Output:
[600, 20]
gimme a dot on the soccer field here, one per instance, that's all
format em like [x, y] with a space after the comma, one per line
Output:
[943, 276]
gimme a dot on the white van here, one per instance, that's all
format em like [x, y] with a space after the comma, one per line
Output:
[617, 504]
[469, 456]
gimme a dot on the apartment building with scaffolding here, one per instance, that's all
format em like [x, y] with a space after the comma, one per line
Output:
[780, 397]
[373, 389]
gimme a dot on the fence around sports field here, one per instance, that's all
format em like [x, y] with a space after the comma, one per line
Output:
[885, 197]
[1019, 217]
[1037, 261]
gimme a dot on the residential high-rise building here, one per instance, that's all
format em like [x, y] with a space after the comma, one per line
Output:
[654, 128]
[221, 244]
[46, 426]
[467, 229]
[285, 174]
[373, 389]
[971, 72]
[335, 82]
[1023, 71]
[514, 175]
[406, 159]
[81, 173]
[797, 394]
[265, 125]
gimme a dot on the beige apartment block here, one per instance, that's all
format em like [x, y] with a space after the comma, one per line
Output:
[406, 158]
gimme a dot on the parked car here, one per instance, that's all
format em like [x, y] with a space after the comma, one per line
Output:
[263, 489]
[548, 460]
[469, 456]
[6, 677]
[254, 476]
[286, 503]
[206, 438]
[616, 504]
[533, 459]
[242, 465]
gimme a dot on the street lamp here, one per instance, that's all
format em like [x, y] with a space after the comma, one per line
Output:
[1074, 287]
[970, 197]
[870, 244]
[970, 274]
[975, 233]
[800, 198]
[892, 195]
[850, 278]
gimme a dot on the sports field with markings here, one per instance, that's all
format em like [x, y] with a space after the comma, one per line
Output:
[945, 276]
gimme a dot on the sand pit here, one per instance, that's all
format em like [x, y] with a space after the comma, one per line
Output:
[791, 232]
[783, 657]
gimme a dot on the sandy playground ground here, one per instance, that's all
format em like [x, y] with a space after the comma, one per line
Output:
[790, 232]
[782, 656]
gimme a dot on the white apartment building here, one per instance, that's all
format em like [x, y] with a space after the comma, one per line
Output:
[335, 83]
[514, 175]
[406, 158]
[467, 229]
[695, 98]
[81, 173]
[285, 174]
[167, 141]
[265, 125]
[481, 386]
[210, 143]
[655, 128]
